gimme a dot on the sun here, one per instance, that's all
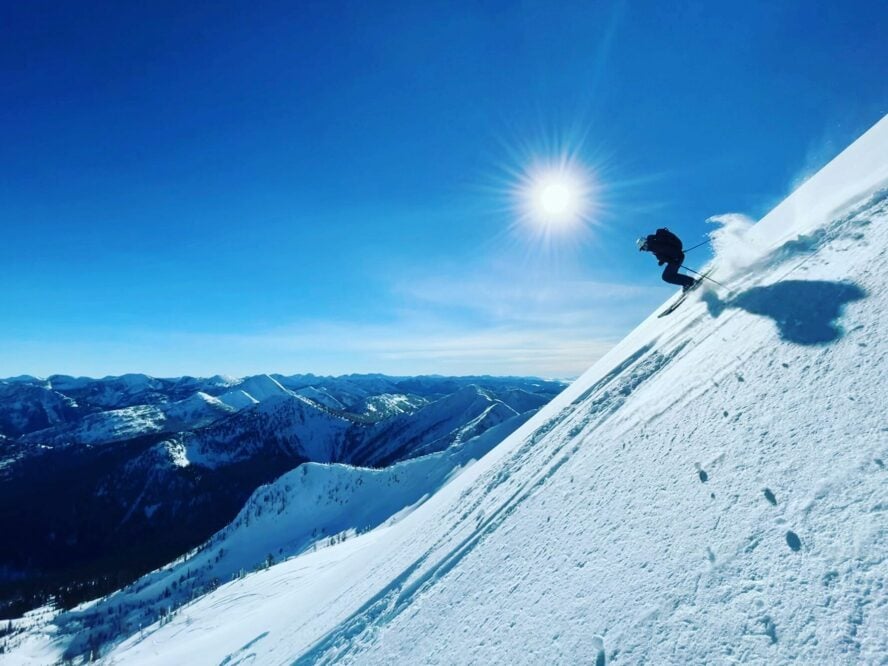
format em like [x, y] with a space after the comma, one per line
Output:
[553, 191]
[555, 197]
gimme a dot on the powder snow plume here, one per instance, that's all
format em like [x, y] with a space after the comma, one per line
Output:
[732, 245]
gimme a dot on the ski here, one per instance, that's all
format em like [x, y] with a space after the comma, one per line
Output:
[681, 299]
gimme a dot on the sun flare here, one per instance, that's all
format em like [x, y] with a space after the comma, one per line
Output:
[556, 197]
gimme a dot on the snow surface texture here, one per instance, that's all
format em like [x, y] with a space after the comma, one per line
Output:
[711, 491]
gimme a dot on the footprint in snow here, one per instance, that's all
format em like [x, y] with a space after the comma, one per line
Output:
[704, 477]
[793, 541]
[770, 496]
[598, 646]
[770, 628]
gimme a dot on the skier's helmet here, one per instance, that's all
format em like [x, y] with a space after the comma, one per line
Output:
[641, 244]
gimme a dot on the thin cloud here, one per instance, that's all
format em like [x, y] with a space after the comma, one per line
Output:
[466, 325]
[398, 347]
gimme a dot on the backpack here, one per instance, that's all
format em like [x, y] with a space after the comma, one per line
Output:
[668, 238]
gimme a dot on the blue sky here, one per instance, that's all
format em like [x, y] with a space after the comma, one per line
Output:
[242, 187]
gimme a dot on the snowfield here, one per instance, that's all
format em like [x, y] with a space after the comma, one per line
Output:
[712, 491]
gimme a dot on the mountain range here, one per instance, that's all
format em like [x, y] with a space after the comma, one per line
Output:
[123, 474]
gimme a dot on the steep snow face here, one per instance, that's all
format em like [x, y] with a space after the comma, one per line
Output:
[711, 491]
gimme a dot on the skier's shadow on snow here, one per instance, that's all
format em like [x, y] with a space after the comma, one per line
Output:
[805, 311]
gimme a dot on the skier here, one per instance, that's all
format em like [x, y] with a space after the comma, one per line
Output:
[666, 247]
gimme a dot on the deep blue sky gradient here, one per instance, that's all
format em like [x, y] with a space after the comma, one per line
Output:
[239, 187]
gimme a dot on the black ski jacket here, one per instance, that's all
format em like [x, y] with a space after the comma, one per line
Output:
[666, 246]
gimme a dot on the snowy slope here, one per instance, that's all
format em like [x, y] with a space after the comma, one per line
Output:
[711, 491]
[382, 406]
[262, 387]
[238, 399]
[286, 423]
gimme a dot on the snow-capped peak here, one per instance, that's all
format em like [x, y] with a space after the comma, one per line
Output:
[262, 387]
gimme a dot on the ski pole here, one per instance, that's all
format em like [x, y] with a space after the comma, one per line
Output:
[706, 277]
[708, 240]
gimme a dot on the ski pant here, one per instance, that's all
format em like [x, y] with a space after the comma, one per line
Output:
[672, 276]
